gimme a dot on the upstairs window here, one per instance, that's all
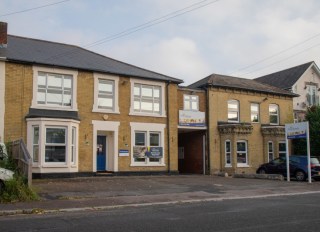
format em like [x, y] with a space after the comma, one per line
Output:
[255, 112]
[312, 96]
[191, 102]
[54, 89]
[233, 111]
[274, 114]
[106, 88]
[147, 99]
[105, 94]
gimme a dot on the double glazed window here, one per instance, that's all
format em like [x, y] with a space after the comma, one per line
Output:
[191, 102]
[233, 111]
[270, 151]
[274, 114]
[55, 145]
[242, 153]
[254, 112]
[105, 94]
[145, 143]
[35, 145]
[228, 153]
[54, 89]
[282, 149]
[312, 96]
[147, 99]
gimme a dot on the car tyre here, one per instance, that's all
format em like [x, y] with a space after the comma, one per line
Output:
[1, 186]
[300, 175]
[262, 171]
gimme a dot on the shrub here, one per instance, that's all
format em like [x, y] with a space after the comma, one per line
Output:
[16, 189]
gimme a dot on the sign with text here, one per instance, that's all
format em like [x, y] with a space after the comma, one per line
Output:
[151, 152]
[296, 130]
[123, 152]
[192, 118]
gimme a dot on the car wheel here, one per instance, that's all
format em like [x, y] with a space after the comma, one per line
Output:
[1, 186]
[300, 175]
[262, 171]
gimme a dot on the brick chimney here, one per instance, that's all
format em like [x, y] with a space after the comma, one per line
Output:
[3, 34]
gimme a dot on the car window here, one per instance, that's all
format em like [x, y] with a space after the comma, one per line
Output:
[278, 161]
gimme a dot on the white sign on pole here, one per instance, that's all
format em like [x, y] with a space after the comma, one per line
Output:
[298, 131]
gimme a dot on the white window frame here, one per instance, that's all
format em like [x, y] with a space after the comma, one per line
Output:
[246, 164]
[64, 144]
[253, 112]
[237, 111]
[270, 153]
[35, 144]
[115, 79]
[43, 123]
[272, 114]
[188, 100]
[282, 152]
[147, 128]
[162, 97]
[228, 153]
[312, 92]
[72, 73]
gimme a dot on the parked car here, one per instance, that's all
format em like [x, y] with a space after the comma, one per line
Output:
[298, 167]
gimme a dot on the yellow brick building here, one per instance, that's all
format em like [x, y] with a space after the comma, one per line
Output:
[80, 113]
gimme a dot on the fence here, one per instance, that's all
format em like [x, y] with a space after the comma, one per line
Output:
[21, 155]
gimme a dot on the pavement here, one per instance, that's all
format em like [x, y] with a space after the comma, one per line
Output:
[101, 193]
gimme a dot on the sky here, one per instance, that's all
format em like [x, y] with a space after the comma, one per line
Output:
[185, 39]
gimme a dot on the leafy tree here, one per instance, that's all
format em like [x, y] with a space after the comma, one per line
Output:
[313, 116]
[300, 145]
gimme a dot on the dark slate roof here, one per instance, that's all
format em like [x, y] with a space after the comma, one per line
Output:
[285, 79]
[42, 113]
[230, 82]
[20, 49]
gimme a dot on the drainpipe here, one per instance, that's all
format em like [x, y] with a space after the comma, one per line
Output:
[208, 127]
[168, 126]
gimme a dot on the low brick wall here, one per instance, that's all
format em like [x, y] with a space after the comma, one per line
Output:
[260, 176]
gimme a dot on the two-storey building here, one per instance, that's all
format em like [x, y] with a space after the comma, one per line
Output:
[244, 121]
[80, 112]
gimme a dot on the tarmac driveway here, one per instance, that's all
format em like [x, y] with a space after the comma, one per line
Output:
[95, 192]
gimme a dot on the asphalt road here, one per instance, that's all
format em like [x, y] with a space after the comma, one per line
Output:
[290, 213]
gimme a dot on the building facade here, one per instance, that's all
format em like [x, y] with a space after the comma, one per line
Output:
[245, 122]
[303, 80]
[86, 113]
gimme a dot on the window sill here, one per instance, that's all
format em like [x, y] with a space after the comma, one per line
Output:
[105, 111]
[53, 108]
[147, 115]
[55, 165]
[228, 166]
[243, 166]
[147, 165]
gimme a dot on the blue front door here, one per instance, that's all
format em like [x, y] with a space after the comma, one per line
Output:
[101, 153]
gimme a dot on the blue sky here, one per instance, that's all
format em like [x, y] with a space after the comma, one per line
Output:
[225, 36]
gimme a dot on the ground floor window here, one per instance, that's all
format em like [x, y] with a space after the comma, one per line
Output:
[270, 151]
[282, 149]
[242, 153]
[147, 144]
[228, 153]
[53, 143]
